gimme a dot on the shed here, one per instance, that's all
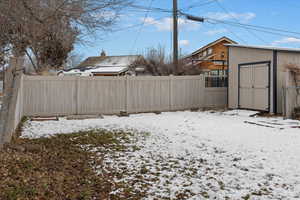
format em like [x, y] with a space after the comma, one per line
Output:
[257, 76]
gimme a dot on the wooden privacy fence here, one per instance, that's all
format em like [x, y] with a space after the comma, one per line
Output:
[48, 96]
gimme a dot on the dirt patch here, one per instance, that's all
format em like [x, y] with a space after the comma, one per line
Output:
[62, 167]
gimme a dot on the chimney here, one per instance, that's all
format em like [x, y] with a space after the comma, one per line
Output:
[103, 54]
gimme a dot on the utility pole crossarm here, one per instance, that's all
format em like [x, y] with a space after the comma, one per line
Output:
[195, 18]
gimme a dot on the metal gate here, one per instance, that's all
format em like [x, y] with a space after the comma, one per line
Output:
[254, 86]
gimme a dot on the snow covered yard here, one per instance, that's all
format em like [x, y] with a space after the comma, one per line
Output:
[198, 155]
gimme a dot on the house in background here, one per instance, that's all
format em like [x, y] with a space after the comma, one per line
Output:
[210, 59]
[105, 66]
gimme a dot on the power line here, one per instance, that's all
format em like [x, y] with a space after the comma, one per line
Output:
[136, 25]
[254, 26]
[153, 9]
[140, 8]
[243, 25]
[247, 29]
[266, 31]
[237, 23]
[235, 34]
[142, 25]
[227, 29]
[270, 30]
[198, 4]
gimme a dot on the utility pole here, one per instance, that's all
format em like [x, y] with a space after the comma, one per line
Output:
[175, 36]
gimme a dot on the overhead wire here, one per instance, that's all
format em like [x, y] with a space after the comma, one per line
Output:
[142, 25]
[270, 30]
[225, 23]
[153, 9]
[235, 18]
[263, 29]
[198, 4]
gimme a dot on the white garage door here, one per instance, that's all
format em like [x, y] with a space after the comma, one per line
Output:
[254, 86]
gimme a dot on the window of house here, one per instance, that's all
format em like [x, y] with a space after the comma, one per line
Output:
[223, 54]
[209, 51]
[204, 53]
[214, 72]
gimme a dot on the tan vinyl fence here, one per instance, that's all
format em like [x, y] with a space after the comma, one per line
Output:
[11, 111]
[48, 96]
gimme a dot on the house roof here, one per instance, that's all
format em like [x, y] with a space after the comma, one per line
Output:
[90, 61]
[265, 47]
[213, 43]
[109, 61]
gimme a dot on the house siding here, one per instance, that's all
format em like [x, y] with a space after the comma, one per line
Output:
[217, 49]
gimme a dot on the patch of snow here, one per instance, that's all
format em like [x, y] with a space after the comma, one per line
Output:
[117, 61]
[107, 70]
[218, 155]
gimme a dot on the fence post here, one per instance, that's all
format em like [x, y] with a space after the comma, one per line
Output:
[7, 92]
[170, 92]
[13, 83]
[76, 95]
[126, 94]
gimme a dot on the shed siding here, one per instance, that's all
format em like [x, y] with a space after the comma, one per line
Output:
[238, 55]
[284, 58]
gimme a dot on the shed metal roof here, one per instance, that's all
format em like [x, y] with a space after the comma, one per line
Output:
[265, 47]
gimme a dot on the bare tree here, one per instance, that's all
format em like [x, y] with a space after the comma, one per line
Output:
[158, 63]
[49, 28]
[74, 59]
[155, 62]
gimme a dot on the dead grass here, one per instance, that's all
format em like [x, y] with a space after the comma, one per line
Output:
[61, 167]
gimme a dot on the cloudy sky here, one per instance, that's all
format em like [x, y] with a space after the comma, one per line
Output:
[138, 30]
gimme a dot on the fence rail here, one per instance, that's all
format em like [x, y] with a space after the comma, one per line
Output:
[45, 96]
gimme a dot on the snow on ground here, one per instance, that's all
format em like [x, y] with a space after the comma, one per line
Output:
[214, 155]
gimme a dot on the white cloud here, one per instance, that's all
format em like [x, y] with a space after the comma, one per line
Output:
[166, 24]
[215, 32]
[184, 42]
[286, 40]
[241, 17]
